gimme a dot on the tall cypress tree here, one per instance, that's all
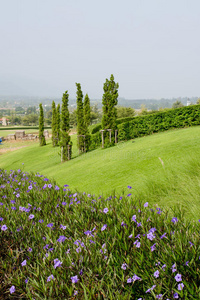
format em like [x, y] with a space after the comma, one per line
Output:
[109, 102]
[65, 137]
[41, 127]
[86, 115]
[58, 123]
[80, 118]
[86, 110]
[53, 125]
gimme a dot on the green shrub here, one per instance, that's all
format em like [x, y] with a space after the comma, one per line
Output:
[161, 121]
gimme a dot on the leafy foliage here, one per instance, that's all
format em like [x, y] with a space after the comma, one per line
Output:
[65, 137]
[109, 102]
[41, 127]
[81, 127]
[125, 112]
[58, 122]
[53, 125]
[177, 104]
[56, 243]
[151, 123]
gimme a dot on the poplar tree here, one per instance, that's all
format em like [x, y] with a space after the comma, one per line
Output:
[109, 101]
[86, 110]
[53, 125]
[41, 127]
[58, 123]
[86, 116]
[65, 137]
[80, 118]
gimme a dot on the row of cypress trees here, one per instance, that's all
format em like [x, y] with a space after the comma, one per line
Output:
[60, 122]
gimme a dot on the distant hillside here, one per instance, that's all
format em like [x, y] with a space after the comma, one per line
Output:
[153, 104]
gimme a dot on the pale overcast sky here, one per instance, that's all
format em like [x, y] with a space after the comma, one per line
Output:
[152, 47]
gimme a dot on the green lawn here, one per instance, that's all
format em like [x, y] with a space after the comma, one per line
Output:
[135, 163]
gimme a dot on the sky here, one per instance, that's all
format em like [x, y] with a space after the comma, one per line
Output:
[152, 47]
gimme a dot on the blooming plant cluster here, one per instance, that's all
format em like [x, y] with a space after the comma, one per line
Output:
[56, 243]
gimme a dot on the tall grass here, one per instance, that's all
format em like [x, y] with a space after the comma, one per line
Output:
[177, 183]
[61, 244]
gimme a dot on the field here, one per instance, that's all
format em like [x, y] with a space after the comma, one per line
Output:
[116, 223]
[162, 168]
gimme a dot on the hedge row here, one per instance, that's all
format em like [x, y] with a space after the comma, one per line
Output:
[161, 121]
[119, 121]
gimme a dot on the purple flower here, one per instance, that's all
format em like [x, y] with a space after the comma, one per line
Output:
[129, 187]
[134, 218]
[156, 274]
[26, 280]
[153, 247]
[150, 236]
[130, 236]
[129, 280]
[178, 277]
[187, 262]
[49, 185]
[50, 277]
[180, 286]
[4, 227]
[31, 217]
[61, 239]
[174, 220]
[57, 263]
[78, 249]
[64, 203]
[12, 289]
[75, 293]
[50, 225]
[23, 263]
[57, 188]
[63, 227]
[129, 195]
[135, 277]
[30, 249]
[151, 289]
[74, 279]
[163, 236]
[104, 227]
[18, 195]
[138, 245]
[1, 219]
[124, 266]
[191, 244]
[146, 204]
[41, 221]
[175, 295]
[173, 268]
[105, 210]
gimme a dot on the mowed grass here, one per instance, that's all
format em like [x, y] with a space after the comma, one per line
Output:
[163, 168]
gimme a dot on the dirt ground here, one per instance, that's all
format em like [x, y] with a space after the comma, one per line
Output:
[12, 145]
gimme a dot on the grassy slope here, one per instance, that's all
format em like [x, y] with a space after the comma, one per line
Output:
[134, 163]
